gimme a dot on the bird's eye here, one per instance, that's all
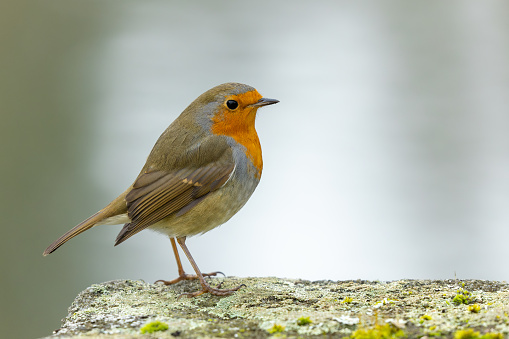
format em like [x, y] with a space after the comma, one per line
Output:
[232, 104]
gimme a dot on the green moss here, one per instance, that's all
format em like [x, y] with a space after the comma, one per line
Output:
[276, 329]
[433, 333]
[386, 331]
[463, 297]
[493, 336]
[475, 308]
[471, 334]
[154, 326]
[304, 321]
[425, 317]
[466, 334]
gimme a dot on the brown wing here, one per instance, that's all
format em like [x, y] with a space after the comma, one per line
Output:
[159, 194]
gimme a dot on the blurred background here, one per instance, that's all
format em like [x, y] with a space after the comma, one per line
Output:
[387, 157]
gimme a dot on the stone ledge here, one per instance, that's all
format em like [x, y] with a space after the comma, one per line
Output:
[118, 309]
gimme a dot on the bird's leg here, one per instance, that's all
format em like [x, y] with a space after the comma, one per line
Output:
[183, 275]
[205, 287]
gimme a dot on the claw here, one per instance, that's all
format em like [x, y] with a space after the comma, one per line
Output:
[186, 276]
[213, 274]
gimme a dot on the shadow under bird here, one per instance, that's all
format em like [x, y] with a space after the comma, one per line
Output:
[201, 171]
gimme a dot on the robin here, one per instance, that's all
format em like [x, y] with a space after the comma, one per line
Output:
[201, 171]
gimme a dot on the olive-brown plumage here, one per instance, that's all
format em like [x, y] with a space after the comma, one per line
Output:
[201, 171]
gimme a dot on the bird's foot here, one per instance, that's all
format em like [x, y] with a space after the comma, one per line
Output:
[186, 276]
[206, 288]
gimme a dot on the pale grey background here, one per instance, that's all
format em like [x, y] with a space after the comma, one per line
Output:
[387, 157]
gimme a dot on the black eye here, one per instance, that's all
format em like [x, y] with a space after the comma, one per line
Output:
[232, 104]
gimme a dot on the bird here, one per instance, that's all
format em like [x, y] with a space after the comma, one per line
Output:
[201, 171]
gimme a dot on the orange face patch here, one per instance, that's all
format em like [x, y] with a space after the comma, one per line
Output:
[239, 124]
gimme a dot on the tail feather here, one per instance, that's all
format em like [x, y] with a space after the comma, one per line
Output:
[116, 207]
[78, 229]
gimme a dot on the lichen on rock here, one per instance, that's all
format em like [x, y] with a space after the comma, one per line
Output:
[414, 308]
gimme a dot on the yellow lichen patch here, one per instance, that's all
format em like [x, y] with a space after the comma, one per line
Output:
[475, 308]
[386, 331]
[347, 300]
[425, 317]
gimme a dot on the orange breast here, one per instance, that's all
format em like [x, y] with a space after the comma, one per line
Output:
[240, 125]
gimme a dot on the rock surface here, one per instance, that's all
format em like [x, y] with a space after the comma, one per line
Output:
[273, 306]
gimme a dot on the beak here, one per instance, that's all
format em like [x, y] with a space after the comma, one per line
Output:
[264, 102]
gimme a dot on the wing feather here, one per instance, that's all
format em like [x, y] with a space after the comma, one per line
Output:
[157, 195]
[148, 178]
